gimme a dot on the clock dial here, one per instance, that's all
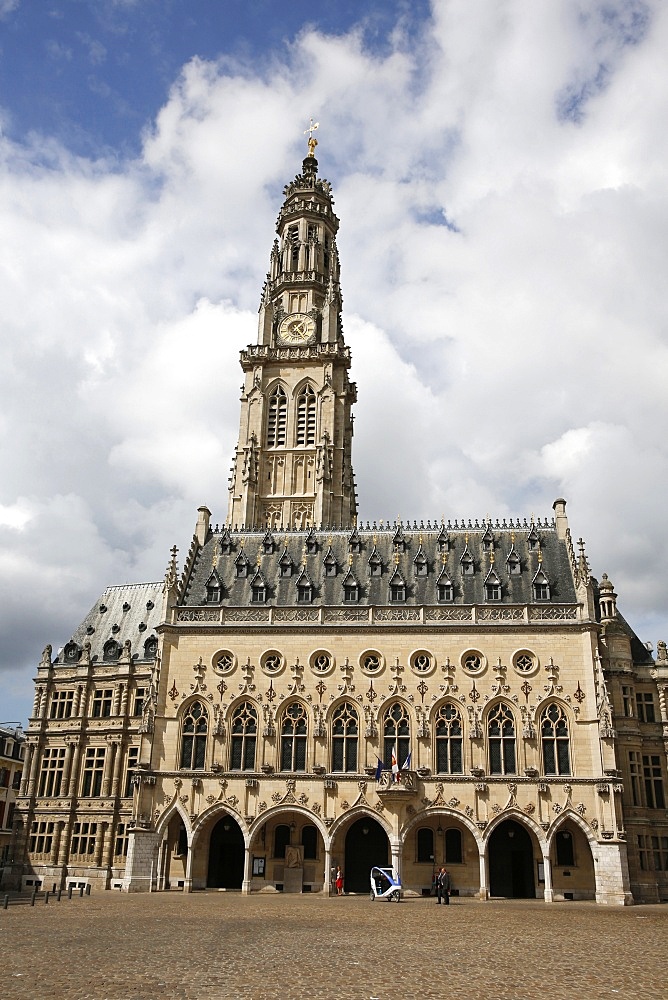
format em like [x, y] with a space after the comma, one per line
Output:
[296, 329]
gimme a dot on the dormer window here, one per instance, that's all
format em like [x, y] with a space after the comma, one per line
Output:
[330, 564]
[444, 593]
[421, 564]
[311, 543]
[488, 541]
[354, 542]
[533, 541]
[258, 592]
[225, 543]
[443, 541]
[268, 544]
[513, 563]
[351, 593]
[111, 650]
[467, 563]
[399, 540]
[304, 593]
[150, 648]
[285, 565]
[242, 566]
[397, 588]
[541, 587]
[214, 589]
[492, 586]
[72, 652]
[375, 564]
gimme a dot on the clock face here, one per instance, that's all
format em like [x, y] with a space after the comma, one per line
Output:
[296, 329]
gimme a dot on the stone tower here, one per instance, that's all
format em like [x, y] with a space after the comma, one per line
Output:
[292, 466]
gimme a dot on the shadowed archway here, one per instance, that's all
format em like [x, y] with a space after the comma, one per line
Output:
[511, 867]
[226, 855]
[366, 845]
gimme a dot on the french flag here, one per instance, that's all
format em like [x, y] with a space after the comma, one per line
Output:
[407, 762]
[395, 765]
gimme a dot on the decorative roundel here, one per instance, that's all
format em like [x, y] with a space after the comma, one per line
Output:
[525, 662]
[271, 661]
[321, 661]
[422, 662]
[371, 662]
[473, 661]
[224, 661]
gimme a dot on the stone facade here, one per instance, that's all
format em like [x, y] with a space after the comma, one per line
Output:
[12, 752]
[310, 691]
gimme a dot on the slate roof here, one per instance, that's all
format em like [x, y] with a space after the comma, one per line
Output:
[131, 611]
[397, 548]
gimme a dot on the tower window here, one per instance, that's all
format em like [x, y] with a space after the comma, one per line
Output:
[277, 417]
[306, 416]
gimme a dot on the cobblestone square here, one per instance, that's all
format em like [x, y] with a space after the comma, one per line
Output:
[211, 945]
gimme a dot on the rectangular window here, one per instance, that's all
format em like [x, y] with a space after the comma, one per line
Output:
[138, 704]
[83, 839]
[627, 701]
[660, 853]
[62, 705]
[132, 761]
[41, 837]
[102, 703]
[2, 813]
[51, 772]
[91, 785]
[643, 852]
[635, 768]
[4, 777]
[645, 706]
[16, 782]
[121, 842]
[654, 797]
[565, 853]
[10, 815]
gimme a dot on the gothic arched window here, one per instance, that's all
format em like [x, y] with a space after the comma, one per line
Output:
[193, 739]
[396, 735]
[425, 845]
[501, 736]
[277, 416]
[281, 840]
[306, 416]
[555, 741]
[310, 842]
[449, 756]
[453, 846]
[345, 729]
[244, 737]
[293, 738]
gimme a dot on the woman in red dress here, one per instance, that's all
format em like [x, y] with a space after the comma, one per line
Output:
[339, 882]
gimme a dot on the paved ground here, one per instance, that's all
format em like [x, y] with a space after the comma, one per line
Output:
[213, 945]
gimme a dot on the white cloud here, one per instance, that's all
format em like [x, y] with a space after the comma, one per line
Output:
[515, 356]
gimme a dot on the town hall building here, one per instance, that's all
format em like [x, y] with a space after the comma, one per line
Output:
[309, 690]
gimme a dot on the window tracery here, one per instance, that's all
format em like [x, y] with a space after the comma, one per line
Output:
[293, 738]
[555, 740]
[396, 734]
[501, 739]
[193, 739]
[345, 732]
[449, 742]
[244, 738]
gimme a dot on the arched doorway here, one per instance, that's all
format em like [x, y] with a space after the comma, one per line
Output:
[511, 868]
[226, 855]
[366, 845]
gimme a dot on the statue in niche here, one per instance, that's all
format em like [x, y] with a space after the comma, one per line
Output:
[293, 857]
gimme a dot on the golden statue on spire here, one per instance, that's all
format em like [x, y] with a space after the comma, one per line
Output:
[312, 142]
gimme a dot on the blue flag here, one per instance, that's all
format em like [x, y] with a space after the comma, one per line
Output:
[379, 769]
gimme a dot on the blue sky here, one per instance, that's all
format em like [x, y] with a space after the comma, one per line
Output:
[500, 173]
[95, 72]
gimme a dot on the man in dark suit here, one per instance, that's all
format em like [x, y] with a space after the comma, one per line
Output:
[439, 885]
[444, 885]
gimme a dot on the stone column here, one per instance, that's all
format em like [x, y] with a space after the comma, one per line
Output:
[78, 698]
[188, 881]
[55, 846]
[548, 892]
[395, 848]
[484, 879]
[67, 766]
[74, 772]
[124, 701]
[327, 887]
[34, 763]
[139, 861]
[27, 765]
[248, 875]
[36, 702]
[612, 874]
[106, 771]
[99, 843]
[64, 844]
[116, 701]
[116, 776]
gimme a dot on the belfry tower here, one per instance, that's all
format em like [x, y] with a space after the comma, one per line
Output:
[292, 465]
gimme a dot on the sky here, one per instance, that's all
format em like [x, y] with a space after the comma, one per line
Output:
[499, 170]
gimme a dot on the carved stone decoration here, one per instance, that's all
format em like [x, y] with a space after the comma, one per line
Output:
[496, 808]
[453, 802]
[581, 808]
[529, 808]
[303, 799]
[319, 727]
[232, 800]
[556, 808]
[423, 731]
[296, 685]
[276, 797]
[396, 687]
[268, 723]
[247, 687]
[199, 670]
[173, 692]
[316, 808]
[262, 807]
[370, 727]
[469, 812]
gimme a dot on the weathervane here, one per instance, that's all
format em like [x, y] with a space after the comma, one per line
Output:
[312, 143]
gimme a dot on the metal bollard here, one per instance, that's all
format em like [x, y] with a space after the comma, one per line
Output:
[81, 889]
[53, 891]
[60, 892]
[46, 896]
[69, 891]
[5, 902]
[88, 889]
[33, 897]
